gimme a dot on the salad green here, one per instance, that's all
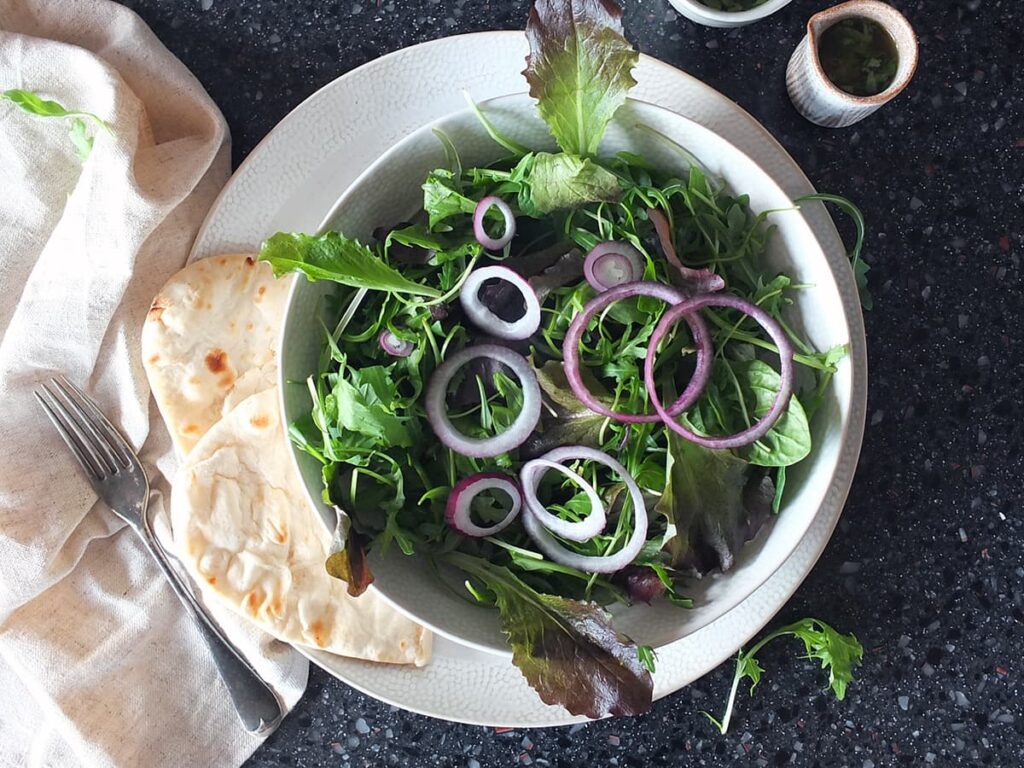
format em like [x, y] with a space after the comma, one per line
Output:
[397, 318]
[78, 132]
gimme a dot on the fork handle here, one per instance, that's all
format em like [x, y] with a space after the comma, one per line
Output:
[255, 702]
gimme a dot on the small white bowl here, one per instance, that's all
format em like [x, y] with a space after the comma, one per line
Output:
[389, 190]
[709, 17]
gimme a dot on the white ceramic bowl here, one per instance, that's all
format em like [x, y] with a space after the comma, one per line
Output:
[709, 17]
[389, 191]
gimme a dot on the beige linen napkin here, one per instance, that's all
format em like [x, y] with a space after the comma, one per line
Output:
[98, 663]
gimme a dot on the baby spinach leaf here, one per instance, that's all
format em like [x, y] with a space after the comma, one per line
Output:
[332, 256]
[789, 439]
[561, 181]
[579, 68]
[568, 650]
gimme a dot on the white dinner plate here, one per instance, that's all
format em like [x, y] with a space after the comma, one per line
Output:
[296, 174]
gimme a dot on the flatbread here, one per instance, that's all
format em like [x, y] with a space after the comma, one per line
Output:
[247, 533]
[210, 340]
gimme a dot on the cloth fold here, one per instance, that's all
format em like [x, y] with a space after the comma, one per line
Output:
[98, 662]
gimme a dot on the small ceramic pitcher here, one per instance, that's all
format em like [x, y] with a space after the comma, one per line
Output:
[821, 101]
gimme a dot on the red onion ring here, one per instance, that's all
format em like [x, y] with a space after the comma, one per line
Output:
[458, 510]
[578, 326]
[696, 280]
[588, 563]
[532, 473]
[395, 345]
[480, 233]
[517, 432]
[612, 263]
[485, 319]
[754, 432]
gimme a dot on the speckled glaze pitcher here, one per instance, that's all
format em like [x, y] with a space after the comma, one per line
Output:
[819, 99]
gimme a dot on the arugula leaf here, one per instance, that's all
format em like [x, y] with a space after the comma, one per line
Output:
[860, 267]
[789, 439]
[442, 198]
[579, 68]
[840, 654]
[561, 181]
[440, 247]
[364, 399]
[568, 650]
[82, 140]
[34, 104]
[706, 498]
[332, 256]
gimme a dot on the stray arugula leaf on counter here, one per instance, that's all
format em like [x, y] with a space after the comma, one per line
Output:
[332, 256]
[568, 650]
[840, 654]
[34, 104]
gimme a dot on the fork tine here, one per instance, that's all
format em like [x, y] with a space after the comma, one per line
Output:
[87, 429]
[88, 467]
[114, 439]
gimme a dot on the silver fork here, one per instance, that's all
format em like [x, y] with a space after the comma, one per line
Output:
[114, 470]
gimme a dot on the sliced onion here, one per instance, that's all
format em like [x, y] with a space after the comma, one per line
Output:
[685, 310]
[531, 474]
[485, 319]
[515, 434]
[588, 563]
[458, 511]
[696, 281]
[612, 263]
[480, 233]
[578, 326]
[395, 345]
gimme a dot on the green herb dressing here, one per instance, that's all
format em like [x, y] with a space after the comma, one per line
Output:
[858, 56]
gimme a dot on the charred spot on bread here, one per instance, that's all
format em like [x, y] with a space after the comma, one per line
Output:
[216, 360]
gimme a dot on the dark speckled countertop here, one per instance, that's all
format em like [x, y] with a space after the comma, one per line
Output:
[927, 566]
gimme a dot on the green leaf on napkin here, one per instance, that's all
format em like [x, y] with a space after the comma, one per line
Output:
[34, 104]
[332, 256]
[579, 68]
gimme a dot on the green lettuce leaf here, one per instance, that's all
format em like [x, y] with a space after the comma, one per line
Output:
[713, 503]
[579, 68]
[560, 181]
[568, 650]
[332, 256]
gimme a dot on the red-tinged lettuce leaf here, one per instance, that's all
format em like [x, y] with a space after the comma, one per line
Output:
[579, 68]
[568, 650]
[715, 504]
[348, 563]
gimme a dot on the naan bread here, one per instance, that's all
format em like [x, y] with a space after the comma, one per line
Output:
[244, 528]
[210, 341]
